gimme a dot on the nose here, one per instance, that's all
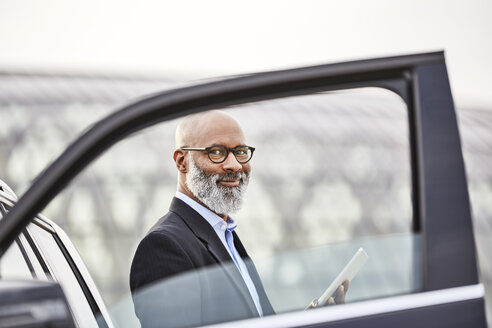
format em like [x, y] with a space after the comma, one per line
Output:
[231, 164]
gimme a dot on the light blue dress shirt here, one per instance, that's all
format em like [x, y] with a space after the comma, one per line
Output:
[224, 232]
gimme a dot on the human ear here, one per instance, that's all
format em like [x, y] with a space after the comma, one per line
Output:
[180, 160]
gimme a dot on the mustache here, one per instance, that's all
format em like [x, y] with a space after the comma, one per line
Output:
[231, 176]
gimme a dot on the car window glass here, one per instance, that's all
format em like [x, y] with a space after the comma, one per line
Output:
[333, 167]
[291, 279]
[13, 264]
[64, 275]
[331, 173]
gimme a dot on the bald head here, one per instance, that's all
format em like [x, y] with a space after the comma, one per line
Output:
[206, 129]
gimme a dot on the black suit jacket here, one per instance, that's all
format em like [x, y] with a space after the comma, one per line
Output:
[183, 276]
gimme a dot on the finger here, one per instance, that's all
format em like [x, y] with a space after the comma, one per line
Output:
[331, 301]
[340, 295]
[346, 285]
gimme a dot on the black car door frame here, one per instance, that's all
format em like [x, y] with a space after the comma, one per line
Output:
[440, 195]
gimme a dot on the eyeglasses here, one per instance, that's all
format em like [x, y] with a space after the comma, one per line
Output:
[219, 153]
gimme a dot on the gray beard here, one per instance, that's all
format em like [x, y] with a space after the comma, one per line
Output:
[205, 187]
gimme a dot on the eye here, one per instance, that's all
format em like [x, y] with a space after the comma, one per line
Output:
[242, 153]
[217, 153]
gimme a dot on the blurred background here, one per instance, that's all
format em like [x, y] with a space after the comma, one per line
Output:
[65, 64]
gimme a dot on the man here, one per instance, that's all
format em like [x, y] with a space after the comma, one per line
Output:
[213, 163]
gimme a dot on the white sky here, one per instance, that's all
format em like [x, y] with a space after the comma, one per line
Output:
[203, 38]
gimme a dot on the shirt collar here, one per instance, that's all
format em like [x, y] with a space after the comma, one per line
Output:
[213, 219]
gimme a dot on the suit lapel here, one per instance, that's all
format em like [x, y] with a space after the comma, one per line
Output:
[201, 229]
[253, 273]
[207, 235]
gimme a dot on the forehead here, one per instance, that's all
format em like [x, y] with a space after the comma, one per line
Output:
[219, 129]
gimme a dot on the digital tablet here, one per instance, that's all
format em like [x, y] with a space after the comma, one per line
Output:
[348, 273]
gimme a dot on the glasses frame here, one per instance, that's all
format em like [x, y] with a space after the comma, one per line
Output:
[229, 150]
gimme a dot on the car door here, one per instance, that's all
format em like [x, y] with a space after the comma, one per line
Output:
[43, 252]
[442, 250]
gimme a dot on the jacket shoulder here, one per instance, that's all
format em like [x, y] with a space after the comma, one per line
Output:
[168, 223]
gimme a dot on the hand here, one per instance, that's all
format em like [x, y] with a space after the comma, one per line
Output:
[339, 294]
[339, 297]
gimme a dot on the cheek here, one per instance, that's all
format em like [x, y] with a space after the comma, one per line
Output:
[206, 165]
[201, 160]
[246, 168]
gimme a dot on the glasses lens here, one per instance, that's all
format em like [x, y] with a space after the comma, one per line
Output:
[243, 154]
[217, 153]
